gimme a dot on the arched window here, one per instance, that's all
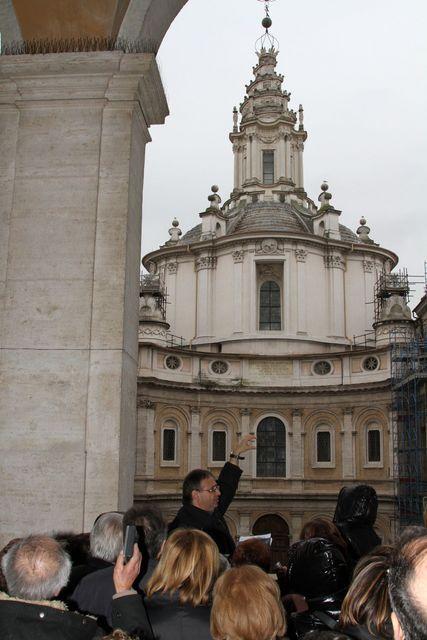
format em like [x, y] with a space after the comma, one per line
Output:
[324, 446]
[374, 445]
[218, 444]
[271, 448]
[269, 306]
[169, 444]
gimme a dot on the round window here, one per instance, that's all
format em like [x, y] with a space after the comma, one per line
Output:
[172, 362]
[219, 367]
[322, 367]
[371, 363]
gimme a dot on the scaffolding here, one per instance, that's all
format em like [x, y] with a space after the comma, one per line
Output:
[409, 404]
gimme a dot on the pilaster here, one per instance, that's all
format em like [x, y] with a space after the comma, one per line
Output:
[145, 458]
[195, 449]
[297, 446]
[348, 448]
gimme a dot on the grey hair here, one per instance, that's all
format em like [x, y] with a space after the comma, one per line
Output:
[36, 568]
[106, 537]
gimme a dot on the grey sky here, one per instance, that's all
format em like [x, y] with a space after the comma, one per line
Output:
[359, 69]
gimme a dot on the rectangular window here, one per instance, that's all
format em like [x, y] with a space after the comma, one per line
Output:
[323, 446]
[374, 445]
[219, 439]
[169, 436]
[268, 167]
[269, 307]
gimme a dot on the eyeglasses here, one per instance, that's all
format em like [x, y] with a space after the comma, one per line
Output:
[215, 487]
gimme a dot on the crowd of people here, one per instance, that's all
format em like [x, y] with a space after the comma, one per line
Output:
[189, 581]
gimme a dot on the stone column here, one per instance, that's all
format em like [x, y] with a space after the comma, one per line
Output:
[297, 451]
[287, 159]
[238, 257]
[145, 440]
[74, 129]
[300, 166]
[245, 464]
[335, 265]
[301, 258]
[237, 184]
[348, 448]
[204, 266]
[195, 449]
[171, 275]
[244, 525]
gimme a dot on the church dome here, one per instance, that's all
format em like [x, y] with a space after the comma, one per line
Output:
[268, 217]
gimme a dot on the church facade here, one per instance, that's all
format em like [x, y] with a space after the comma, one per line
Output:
[266, 294]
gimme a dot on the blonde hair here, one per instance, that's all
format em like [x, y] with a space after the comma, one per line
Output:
[189, 564]
[247, 606]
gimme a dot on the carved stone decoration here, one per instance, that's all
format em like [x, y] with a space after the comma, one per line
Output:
[238, 255]
[268, 270]
[334, 262]
[195, 410]
[269, 246]
[245, 412]
[219, 367]
[146, 404]
[205, 262]
[152, 267]
[158, 332]
[301, 255]
[172, 267]
[368, 266]
[296, 412]
[173, 362]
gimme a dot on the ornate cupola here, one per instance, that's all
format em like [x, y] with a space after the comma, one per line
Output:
[269, 143]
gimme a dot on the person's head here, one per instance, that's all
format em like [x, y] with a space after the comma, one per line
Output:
[408, 590]
[106, 537]
[321, 527]
[247, 606]
[149, 520]
[367, 601]
[410, 533]
[201, 490]
[252, 551]
[189, 565]
[36, 568]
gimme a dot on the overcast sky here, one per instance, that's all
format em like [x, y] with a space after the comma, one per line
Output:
[359, 67]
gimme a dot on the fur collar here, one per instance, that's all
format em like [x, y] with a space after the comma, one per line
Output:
[55, 604]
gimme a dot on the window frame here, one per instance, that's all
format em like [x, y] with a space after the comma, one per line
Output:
[374, 464]
[323, 427]
[264, 153]
[169, 424]
[221, 427]
[261, 284]
[287, 450]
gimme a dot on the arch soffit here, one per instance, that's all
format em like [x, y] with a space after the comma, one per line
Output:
[255, 516]
[149, 20]
[221, 415]
[374, 414]
[171, 412]
[316, 418]
[270, 414]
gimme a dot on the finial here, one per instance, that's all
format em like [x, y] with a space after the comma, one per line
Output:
[301, 118]
[325, 197]
[174, 232]
[267, 43]
[214, 198]
[235, 116]
[363, 231]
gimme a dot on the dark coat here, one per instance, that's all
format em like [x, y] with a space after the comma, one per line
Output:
[168, 618]
[22, 620]
[94, 595]
[213, 523]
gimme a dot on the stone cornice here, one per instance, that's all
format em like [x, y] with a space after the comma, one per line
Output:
[347, 248]
[95, 75]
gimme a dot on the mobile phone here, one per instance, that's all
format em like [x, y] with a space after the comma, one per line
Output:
[131, 536]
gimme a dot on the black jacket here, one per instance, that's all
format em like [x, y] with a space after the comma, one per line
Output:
[213, 523]
[22, 620]
[94, 595]
[167, 617]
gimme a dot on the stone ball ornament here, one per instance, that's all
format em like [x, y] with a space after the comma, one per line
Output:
[267, 22]
[214, 188]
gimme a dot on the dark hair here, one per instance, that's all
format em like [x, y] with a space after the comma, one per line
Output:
[149, 519]
[252, 552]
[404, 562]
[367, 601]
[325, 634]
[192, 482]
[412, 532]
[321, 527]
